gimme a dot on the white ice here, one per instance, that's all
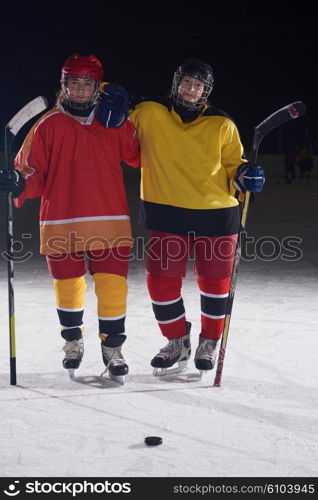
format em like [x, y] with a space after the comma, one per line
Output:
[262, 421]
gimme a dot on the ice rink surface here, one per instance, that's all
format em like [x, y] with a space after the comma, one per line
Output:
[262, 421]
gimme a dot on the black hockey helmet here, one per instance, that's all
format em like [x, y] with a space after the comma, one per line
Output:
[199, 70]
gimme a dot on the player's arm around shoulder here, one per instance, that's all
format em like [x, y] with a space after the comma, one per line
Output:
[112, 111]
[130, 146]
[113, 106]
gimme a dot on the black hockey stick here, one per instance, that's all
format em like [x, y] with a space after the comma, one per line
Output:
[281, 116]
[25, 114]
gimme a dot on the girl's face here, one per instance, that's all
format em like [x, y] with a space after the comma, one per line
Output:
[80, 89]
[190, 89]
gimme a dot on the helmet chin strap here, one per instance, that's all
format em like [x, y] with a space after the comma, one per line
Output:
[75, 110]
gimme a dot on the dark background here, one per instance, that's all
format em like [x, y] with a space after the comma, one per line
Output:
[263, 54]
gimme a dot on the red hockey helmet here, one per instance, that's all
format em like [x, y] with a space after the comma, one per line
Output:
[86, 66]
[81, 67]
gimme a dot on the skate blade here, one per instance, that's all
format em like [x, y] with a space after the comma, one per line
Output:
[204, 373]
[161, 372]
[120, 379]
[71, 372]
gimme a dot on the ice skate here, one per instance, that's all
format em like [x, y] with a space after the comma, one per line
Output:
[115, 364]
[205, 355]
[176, 351]
[74, 351]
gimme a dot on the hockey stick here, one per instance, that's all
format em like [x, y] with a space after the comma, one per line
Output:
[281, 116]
[25, 114]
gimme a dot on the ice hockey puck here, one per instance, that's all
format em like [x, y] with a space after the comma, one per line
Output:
[153, 440]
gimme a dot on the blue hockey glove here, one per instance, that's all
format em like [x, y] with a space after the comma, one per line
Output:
[249, 178]
[113, 107]
[11, 181]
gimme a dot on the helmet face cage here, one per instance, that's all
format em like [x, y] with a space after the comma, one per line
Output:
[203, 76]
[68, 99]
[80, 70]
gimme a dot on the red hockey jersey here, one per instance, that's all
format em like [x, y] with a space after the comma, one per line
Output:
[75, 169]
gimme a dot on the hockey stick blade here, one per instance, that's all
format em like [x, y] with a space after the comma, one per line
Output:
[26, 113]
[283, 115]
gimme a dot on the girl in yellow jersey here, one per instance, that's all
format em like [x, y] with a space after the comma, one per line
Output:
[192, 167]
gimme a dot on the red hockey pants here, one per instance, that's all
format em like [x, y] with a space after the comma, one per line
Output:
[167, 259]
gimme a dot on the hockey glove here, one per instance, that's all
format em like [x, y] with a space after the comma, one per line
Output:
[249, 178]
[113, 107]
[11, 181]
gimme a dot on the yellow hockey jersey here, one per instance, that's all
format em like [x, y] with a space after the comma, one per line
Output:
[188, 169]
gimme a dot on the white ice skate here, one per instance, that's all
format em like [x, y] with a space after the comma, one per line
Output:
[205, 355]
[74, 351]
[176, 351]
[115, 364]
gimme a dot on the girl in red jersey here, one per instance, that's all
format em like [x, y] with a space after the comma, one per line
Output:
[73, 163]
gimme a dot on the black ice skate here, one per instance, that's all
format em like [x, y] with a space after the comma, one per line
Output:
[176, 351]
[115, 363]
[74, 351]
[205, 355]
